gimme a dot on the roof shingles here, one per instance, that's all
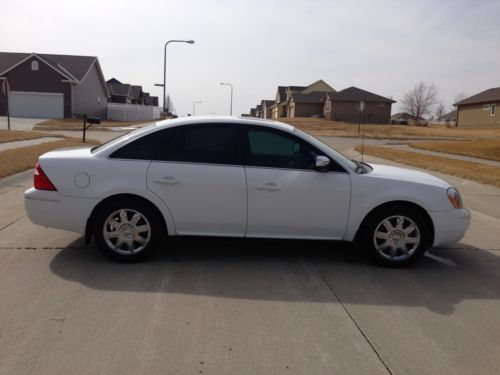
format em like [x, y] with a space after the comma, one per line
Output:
[486, 96]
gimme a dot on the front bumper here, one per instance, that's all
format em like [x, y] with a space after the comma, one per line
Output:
[53, 210]
[450, 226]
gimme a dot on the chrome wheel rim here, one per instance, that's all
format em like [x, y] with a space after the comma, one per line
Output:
[396, 238]
[127, 231]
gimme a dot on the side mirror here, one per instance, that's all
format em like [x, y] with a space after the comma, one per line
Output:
[322, 163]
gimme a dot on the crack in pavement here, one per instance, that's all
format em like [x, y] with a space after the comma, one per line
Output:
[43, 248]
[12, 222]
[351, 317]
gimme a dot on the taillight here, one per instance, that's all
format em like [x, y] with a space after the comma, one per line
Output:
[454, 197]
[41, 181]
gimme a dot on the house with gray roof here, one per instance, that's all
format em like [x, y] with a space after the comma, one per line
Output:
[52, 86]
[267, 108]
[119, 92]
[300, 101]
[405, 118]
[125, 93]
[343, 106]
[479, 109]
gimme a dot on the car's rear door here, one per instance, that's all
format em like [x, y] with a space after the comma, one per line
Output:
[287, 197]
[201, 179]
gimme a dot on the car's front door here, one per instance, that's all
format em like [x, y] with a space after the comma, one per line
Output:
[287, 196]
[202, 180]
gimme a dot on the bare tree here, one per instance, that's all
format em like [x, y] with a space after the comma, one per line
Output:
[169, 106]
[420, 101]
[440, 111]
[458, 98]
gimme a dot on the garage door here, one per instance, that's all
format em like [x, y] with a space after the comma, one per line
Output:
[36, 104]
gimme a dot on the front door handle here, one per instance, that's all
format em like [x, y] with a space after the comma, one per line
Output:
[167, 180]
[269, 186]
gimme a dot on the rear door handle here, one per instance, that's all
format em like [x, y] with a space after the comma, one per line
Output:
[167, 180]
[269, 186]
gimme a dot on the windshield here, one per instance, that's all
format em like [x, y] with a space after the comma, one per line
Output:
[337, 155]
[140, 130]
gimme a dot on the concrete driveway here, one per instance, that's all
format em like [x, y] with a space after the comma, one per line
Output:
[19, 123]
[219, 306]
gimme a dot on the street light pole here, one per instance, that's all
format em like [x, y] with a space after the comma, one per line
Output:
[165, 66]
[194, 107]
[231, 107]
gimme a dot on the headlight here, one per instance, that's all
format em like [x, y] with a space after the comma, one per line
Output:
[454, 197]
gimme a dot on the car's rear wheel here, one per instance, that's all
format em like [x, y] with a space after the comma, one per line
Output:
[126, 230]
[396, 236]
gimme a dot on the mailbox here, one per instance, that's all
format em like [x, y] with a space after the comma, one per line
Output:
[93, 120]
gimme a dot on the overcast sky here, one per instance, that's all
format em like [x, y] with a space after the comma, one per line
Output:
[380, 46]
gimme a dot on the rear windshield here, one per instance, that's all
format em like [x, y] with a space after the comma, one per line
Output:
[132, 133]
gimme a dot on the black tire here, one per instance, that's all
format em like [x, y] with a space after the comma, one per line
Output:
[396, 239]
[127, 230]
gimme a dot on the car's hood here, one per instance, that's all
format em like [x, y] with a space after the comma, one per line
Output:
[404, 174]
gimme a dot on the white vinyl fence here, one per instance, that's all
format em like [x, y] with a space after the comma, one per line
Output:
[132, 112]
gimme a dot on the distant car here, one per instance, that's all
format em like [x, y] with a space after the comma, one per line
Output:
[235, 177]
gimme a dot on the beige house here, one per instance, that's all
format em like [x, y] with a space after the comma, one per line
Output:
[300, 101]
[479, 109]
[267, 108]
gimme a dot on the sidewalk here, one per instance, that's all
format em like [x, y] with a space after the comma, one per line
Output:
[19, 123]
[30, 142]
[405, 147]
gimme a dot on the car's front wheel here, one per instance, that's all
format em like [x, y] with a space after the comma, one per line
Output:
[126, 230]
[396, 236]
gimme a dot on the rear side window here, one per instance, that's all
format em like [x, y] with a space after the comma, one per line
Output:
[212, 144]
[149, 147]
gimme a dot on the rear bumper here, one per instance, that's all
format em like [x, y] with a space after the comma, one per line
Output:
[53, 210]
[450, 227]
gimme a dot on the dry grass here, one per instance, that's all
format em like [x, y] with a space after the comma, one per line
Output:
[78, 124]
[472, 171]
[18, 135]
[479, 149]
[23, 158]
[322, 127]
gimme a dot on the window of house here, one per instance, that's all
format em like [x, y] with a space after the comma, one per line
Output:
[34, 65]
[493, 109]
[486, 107]
[381, 104]
[99, 100]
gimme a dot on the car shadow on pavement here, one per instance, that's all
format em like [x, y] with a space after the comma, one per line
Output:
[282, 270]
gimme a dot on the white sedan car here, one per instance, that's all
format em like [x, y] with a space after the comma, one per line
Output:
[237, 177]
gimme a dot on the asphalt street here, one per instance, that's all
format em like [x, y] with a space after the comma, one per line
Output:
[219, 306]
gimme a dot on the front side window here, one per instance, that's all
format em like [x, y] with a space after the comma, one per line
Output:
[493, 109]
[34, 65]
[274, 149]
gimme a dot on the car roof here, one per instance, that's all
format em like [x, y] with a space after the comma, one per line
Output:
[114, 144]
[224, 119]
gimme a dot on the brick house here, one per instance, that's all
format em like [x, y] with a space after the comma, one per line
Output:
[343, 106]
